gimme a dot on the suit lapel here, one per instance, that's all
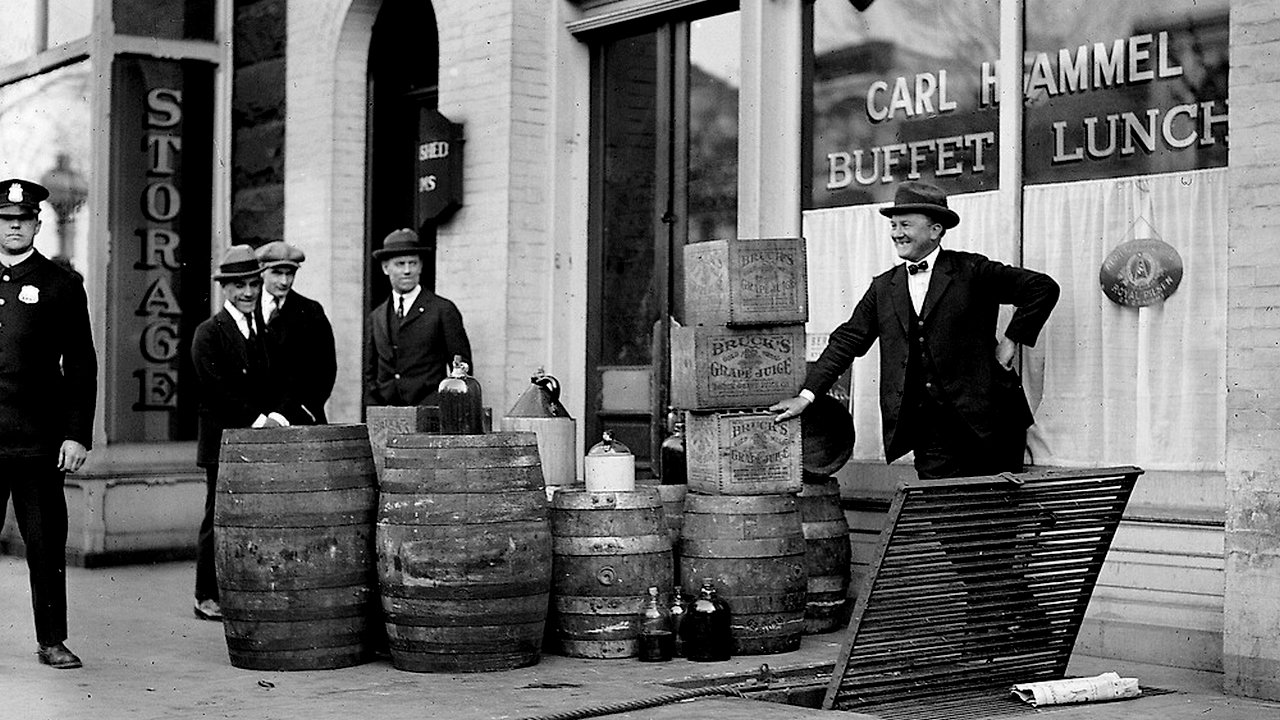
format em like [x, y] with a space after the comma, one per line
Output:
[417, 310]
[231, 331]
[901, 295]
[938, 282]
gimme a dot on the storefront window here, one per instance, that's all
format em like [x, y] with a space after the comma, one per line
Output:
[715, 68]
[44, 136]
[1119, 88]
[174, 19]
[898, 93]
[20, 31]
[69, 20]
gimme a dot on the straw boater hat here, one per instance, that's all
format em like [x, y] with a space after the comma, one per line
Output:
[921, 197]
[239, 262]
[400, 242]
[20, 198]
[279, 253]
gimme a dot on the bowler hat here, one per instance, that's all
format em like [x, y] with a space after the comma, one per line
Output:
[826, 436]
[279, 253]
[238, 263]
[20, 198]
[400, 242]
[913, 196]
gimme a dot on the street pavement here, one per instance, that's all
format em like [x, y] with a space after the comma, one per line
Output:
[146, 656]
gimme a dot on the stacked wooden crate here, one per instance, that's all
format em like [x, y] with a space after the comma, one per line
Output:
[741, 349]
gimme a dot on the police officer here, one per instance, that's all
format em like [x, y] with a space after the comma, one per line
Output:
[48, 393]
[299, 335]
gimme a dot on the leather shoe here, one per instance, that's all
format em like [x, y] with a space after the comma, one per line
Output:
[58, 656]
[208, 610]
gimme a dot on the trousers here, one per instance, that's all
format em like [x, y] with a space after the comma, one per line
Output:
[40, 509]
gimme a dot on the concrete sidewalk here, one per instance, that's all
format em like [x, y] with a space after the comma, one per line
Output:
[147, 657]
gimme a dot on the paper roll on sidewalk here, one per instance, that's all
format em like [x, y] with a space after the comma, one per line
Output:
[1107, 686]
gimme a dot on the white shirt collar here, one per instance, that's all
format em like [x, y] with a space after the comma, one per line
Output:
[932, 259]
[242, 320]
[409, 298]
[11, 261]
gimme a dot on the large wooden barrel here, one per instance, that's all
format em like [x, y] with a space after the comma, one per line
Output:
[464, 551]
[752, 547]
[827, 555]
[607, 549]
[293, 546]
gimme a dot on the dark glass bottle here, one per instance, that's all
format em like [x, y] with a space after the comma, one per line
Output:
[706, 631]
[678, 611]
[672, 460]
[657, 641]
[461, 405]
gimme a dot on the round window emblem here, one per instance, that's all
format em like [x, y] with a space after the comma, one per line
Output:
[1141, 272]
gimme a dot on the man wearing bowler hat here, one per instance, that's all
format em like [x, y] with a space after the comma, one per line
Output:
[235, 390]
[414, 334]
[948, 389]
[299, 336]
[48, 393]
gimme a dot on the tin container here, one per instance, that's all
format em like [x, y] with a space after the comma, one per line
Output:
[742, 453]
[746, 282]
[715, 368]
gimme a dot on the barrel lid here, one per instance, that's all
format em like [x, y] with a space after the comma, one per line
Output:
[826, 436]
[608, 446]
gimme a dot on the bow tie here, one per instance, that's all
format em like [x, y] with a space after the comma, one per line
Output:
[918, 267]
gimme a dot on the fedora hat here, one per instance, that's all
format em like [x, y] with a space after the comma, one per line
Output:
[237, 263]
[400, 242]
[913, 196]
[826, 436]
[279, 253]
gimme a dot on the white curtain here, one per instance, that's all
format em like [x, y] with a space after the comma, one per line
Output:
[1109, 384]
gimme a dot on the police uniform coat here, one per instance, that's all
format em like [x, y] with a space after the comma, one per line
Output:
[48, 367]
[301, 351]
[405, 363]
[233, 388]
[957, 325]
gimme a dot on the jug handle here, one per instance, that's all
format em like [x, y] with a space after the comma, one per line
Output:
[551, 384]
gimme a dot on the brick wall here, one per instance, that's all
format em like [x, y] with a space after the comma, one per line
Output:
[1251, 653]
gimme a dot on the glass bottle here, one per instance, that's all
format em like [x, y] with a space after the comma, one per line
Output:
[461, 406]
[706, 631]
[678, 610]
[657, 641]
[672, 458]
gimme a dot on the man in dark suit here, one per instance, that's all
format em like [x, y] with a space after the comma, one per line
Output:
[414, 335]
[234, 387]
[48, 393]
[299, 336]
[948, 390]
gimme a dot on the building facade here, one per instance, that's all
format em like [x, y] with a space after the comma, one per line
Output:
[558, 155]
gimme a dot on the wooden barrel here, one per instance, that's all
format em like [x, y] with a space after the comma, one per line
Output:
[752, 547]
[293, 546]
[827, 555]
[607, 549]
[464, 551]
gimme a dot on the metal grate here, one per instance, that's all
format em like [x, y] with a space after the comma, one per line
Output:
[977, 583]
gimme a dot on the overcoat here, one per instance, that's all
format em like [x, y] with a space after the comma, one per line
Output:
[957, 326]
[405, 367]
[233, 390]
[303, 362]
[48, 367]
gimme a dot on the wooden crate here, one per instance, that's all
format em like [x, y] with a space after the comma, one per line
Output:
[742, 453]
[717, 368]
[746, 282]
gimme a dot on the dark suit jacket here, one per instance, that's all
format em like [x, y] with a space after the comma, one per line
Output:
[48, 367]
[303, 364]
[232, 391]
[959, 317]
[408, 370]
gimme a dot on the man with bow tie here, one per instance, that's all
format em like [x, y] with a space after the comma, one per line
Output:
[413, 335]
[948, 389]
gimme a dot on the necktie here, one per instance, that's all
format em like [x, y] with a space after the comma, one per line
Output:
[275, 311]
[400, 308]
[253, 336]
[918, 267]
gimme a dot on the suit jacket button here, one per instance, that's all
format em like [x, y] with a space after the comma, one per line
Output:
[397, 376]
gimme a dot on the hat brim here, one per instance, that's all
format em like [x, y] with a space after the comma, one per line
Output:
[220, 276]
[18, 211]
[281, 263]
[946, 216]
[385, 254]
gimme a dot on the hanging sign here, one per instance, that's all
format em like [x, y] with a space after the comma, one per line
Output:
[439, 168]
[1141, 272]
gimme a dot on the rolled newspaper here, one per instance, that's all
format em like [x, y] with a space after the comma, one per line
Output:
[1107, 686]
